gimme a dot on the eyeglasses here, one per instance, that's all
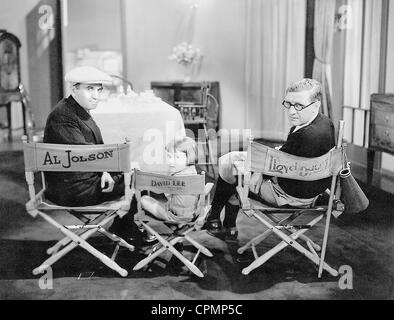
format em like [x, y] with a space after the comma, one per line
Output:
[297, 106]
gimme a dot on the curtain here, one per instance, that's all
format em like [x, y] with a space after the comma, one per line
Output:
[275, 48]
[361, 76]
[323, 39]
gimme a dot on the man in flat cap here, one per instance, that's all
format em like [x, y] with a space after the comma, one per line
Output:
[70, 122]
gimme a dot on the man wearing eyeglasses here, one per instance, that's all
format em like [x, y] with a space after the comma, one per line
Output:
[312, 135]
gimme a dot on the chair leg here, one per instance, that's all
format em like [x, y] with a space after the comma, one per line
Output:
[169, 246]
[155, 254]
[264, 258]
[287, 240]
[326, 228]
[66, 240]
[117, 239]
[81, 241]
[290, 240]
[61, 243]
[314, 245]
[254, 241]
[199, 246]
[292, 229]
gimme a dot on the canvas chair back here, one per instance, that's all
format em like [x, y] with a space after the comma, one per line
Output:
[76, 158]
[170, 184]
[274, 162]
[44, 157]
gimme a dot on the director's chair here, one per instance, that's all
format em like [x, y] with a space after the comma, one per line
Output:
[181, 228]
[43, 157]
[279, 221]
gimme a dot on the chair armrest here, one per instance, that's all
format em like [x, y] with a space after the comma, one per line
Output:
[208, 188]
[32, 204]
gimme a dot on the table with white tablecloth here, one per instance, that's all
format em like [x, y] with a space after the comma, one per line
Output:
[148, 123]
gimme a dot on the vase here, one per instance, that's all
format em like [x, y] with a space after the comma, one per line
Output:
[187, 73]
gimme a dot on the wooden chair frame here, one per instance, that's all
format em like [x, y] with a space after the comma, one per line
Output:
[282, 227]
[174, 185]
[43, 157]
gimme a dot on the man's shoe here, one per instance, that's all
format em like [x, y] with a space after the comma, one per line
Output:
[214, 228]
[231, 234]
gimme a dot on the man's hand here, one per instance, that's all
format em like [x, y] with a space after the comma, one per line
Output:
[255, 182]
[107, 179]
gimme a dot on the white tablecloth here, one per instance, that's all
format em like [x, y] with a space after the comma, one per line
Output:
[149, 123]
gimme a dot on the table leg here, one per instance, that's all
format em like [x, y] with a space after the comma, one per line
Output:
[9, 121]
[370, 162]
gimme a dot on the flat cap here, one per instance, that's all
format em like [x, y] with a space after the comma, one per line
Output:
[87, 74]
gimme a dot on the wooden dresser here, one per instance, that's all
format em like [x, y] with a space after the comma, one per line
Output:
[381, 129]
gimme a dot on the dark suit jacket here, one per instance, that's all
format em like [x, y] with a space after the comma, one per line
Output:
[311, 141]
[69, 123]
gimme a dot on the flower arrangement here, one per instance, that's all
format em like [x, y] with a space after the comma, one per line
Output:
[185, 54]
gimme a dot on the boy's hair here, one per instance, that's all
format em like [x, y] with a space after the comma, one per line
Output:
[306, 84]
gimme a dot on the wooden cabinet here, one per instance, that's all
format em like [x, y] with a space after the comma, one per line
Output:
[381, 129]
[190, 92]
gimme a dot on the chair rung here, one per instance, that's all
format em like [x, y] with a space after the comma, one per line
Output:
[81, 226]
[110, 205]
[196, 256]
[301, 226]
[256, 256]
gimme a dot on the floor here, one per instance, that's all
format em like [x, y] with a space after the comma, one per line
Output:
[362, 243]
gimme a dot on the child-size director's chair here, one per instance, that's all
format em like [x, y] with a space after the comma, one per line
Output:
[280, 221]
[42, 157]
[181, 227]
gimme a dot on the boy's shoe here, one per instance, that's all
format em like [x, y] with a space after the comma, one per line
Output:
[144, 238]
[133, 234]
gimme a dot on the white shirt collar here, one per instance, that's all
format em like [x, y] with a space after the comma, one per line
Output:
[305, 124]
